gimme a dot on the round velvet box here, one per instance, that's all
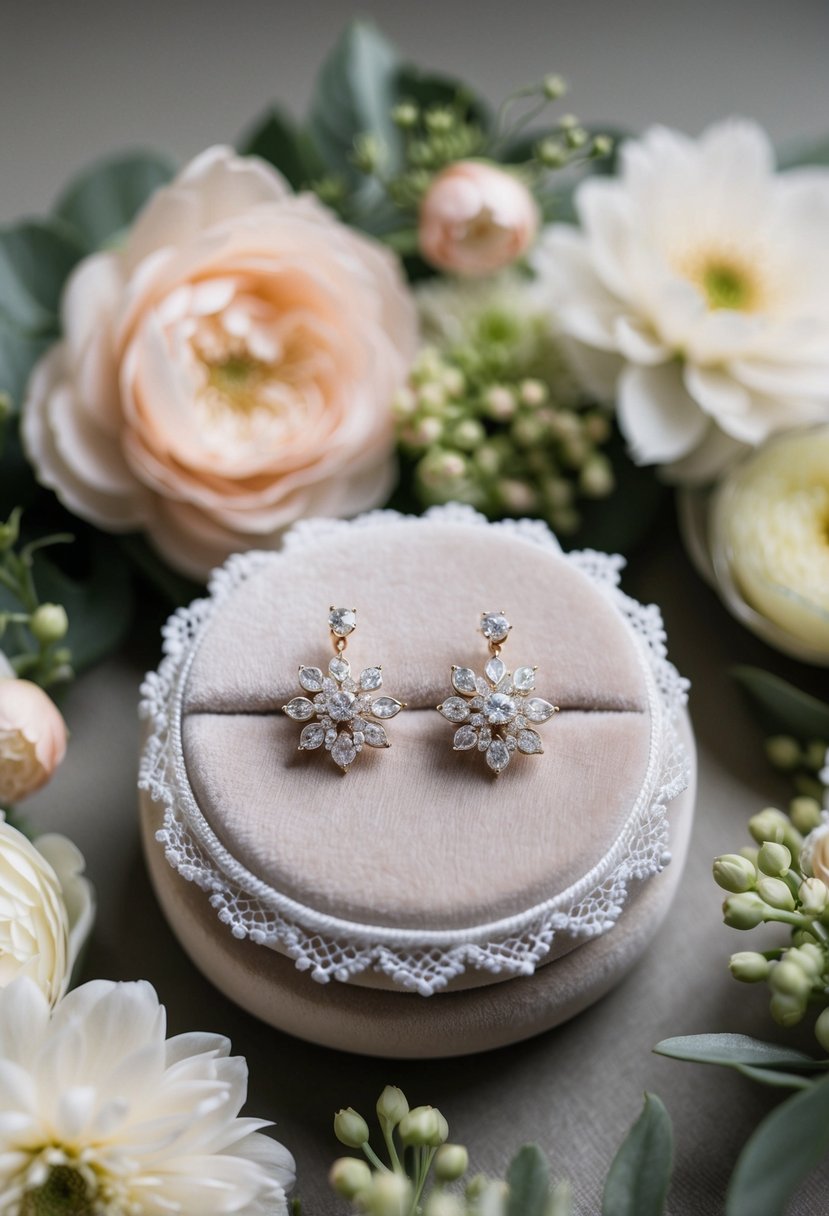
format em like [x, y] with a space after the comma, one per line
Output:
[512, 902]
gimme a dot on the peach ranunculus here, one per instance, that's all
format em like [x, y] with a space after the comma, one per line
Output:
[227, 371]
[476, 218]
[32, 738]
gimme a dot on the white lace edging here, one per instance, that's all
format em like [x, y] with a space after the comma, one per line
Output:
[418, 960]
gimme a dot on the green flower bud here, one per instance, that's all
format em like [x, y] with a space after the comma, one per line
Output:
[431, 397]
[441, 1204]
[771, 824]
[786, 1010]
[517, 496]
[809, 787]
[554, 86]
[350, 1128]
[816, 755]
[822, 1029]
[558, 492]
[774, 860]
[565, 521]
[468, 435]
[551, 154]
[749, 967]
[577, 137]
[441, 469]
[421, 1126]
[390, 1195]
[809, 957]
[488, 459]
[10, 531]
[533, 392]
[602, 145]
[814, 896]
[49, 623]
[783, 752]
[802, 937]
[527, 430]
[776, 893]
[422, 433]
[443, 1128]
[439, 119]
[596, 479]
[499, 402]
[597, 427]
[568, 121]
[451, 1162]
[804, 813]
[349, 1176]
[734, 873]
[368, 152]
[475, 1187]
[789, 979]
[744, 911]
[405, 115]
[454, 381]
[403, 403]
[392, 1105]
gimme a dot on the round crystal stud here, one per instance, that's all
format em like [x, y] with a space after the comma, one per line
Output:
[499, 708]
[341, 706]
[494, 626]
[342, 621]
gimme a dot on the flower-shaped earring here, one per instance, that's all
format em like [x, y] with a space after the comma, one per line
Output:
[496, 713]
[344, 706]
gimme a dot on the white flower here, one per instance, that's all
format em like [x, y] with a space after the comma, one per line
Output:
[697, 291]
[100, 1116]
[46, 910]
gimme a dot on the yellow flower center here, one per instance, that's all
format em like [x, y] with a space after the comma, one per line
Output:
[726, 279]
[239, 380]
[64, 1193]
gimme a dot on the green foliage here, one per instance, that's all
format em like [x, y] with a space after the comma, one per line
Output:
[528, 1179]
[763, 1062]
[782, 707]
[638, 1181]
[276, 138]
[105, 198]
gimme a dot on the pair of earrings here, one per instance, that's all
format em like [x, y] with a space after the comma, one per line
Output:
[496, 713]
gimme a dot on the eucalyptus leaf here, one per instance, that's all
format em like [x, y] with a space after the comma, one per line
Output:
[36, 257]
[733, 1050]
[639, 1177]
[784, 1149]
[104, 199]
[528, 1179]
[812, 152]
[773, 1077]
[782, 707]
[19, 352]
[278, 140]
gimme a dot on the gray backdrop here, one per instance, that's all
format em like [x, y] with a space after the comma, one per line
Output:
[78, 80]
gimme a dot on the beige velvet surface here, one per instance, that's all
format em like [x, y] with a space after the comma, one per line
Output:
[416, 836]
[403, 1025]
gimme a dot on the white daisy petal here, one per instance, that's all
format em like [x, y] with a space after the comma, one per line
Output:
[658, 417]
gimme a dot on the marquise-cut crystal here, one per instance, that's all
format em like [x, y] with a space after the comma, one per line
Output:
[463, 679]
[343, 752]
[371, 678]
[300, 709]
[385, 707]
[455, 709]
[529, 742]
[538, 710]
[524, 679]
[499, 708]
[340, 668]
[465, 737]
[313, 735]
[497, 755]
[495, 670]
[342, 621]
[494, 626]
[341, 706]
[310, 678]
[375, 735]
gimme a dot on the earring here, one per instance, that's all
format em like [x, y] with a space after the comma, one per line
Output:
[343, 705]
[495, 713]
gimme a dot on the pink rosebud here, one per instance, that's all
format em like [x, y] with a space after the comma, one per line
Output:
[476, 218]
[32, 738]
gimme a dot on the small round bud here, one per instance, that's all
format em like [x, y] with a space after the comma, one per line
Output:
[453, 381]
[468, 435]
[389, 1195]
[516, 496]
[551, 154]
[431, 397]
[488, 459]
[804, 813]
[577, 137]
[596, 479]
[499, 402]
[602, 145]
[349, 1176]
[554, 86]
[776, 893]
[476, 1186]
[403, 403]
[822, 1029]
[814, 896]
[597, 428]
[783, 752]
[558, 492]
[774, 860]
[350, 1128]
[441, 1204]
[451, 1162]
[443, 1128]
[749, 967]
[734, 873]
[786, 1010]
[816, 755]
[49, 623]
[568, 121]
[576, 451]
[392, 1105]
[420, 1126]
[368, 152]
[810, 957]
[533, 392]
[527, 429]
[10, 531]
[788, 978]
[565, 521]
[441, 469]
[771, 824]
[439, 120]
[405, 115]
[422, 433]
[744, 911]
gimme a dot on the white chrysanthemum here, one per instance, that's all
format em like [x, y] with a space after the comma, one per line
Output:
[697, 292]
[101, 1116]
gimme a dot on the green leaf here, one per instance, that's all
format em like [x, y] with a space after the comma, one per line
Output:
[18, 354]
[354, 94]
[782, 707]
[733, 1050]
[18, 487]
[620, 522]
[784, 1149]
[637, 1184]
[812, 152]
[277, 139]
[528, 1179]
[105, 198]
[773, 1077]
[36, 257]
[174, 587]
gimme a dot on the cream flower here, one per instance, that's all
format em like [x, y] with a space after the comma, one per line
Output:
[100, 1116]
[32, 738]
[46, 910]
[815, 853]
[226, 372]
[697, 292]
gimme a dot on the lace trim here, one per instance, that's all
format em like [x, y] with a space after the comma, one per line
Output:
[423, 962]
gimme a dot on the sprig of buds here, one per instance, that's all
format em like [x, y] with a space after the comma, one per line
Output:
[30, 631]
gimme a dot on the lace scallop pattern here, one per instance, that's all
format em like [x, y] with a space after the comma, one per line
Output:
[331, 948]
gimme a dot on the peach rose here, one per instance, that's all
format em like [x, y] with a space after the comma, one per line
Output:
[476, 219]
[815, 854]
[226, 372]
[32, 738]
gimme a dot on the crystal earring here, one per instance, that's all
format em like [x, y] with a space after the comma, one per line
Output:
[496, 713]
[343, 706]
